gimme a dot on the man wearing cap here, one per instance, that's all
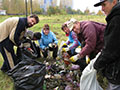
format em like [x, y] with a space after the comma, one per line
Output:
[90, 34]
[72, 37]
[109, 59]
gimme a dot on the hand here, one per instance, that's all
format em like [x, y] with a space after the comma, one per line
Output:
[46, 48]
[21, 45]
[99, 66]
[74, 58]
[51, 45]
[29, 49]
[64, 45]
[54, 45]
[65, 49]
[78, 49]
[87, 59]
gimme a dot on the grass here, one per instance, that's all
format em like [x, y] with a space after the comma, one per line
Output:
[55, 22]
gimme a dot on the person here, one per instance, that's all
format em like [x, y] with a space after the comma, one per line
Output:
[32, 35]
[48, 42]
[29, 44]
[90, 34]
[72, 37]
[12, 31]
[109, 59]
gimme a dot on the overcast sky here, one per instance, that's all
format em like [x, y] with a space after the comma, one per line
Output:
[83, 4]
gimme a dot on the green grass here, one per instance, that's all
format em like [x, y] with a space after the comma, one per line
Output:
[55, 22]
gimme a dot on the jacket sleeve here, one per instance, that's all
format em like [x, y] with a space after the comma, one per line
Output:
[90, 37]
[41, 44]
[17, 32]
[54, 38]
[75, 41]
[110, 52]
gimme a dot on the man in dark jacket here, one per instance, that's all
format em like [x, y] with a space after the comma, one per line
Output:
[12, 31]
[109, 59]
[90, 34]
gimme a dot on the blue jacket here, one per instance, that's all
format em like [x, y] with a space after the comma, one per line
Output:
[47, 39]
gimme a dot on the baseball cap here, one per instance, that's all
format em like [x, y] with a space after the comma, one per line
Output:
[99, 3]
[70, 23]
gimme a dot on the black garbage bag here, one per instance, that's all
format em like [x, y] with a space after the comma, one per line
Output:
[32, 52]
[28, 74]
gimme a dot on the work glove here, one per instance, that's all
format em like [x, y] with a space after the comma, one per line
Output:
[46, 48]
[87, 59]
[78, 49]
[65, 49]
[21, 45]
[74, 58]
[64, 45]
[52, 45]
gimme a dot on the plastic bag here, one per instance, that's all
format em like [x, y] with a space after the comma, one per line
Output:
[88, 79]
[28, 75]
[32, 51]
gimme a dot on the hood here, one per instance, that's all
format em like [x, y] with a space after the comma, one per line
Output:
[114, 12]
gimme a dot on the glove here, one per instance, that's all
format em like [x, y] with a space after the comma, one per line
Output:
[54, 44]
[51, 45]
[74, 58]
[65, 49]
[87, 59]
[64, 45]
[46, 48]
[29, 49]
[78, 49]
[21, 45]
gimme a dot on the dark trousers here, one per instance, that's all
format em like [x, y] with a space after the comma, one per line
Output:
[7, 51]
[54, 49]
[10, 59]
